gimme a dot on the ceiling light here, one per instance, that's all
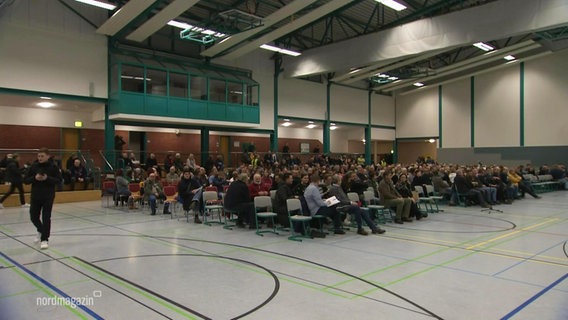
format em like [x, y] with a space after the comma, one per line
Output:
[332, 124]
[332, 127]
[509, 58]
[392, 4]
[178, 24]
[431, 140]
[45, 98]
[311, 126]
[310, 122]
[99, 4]
[354, 71]
[287, 124]
[287, 120]
[45, 104]
[393, 78]
[280, 50]
[418, 84]
[483, 46]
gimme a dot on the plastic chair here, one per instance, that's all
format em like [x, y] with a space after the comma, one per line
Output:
[424, 200]
[383, 214]
[109, 191]
[211, 204]
[435, 198]
[264, 203]
[171, 198]
[295, 206]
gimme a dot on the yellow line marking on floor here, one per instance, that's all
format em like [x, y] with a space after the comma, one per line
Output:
[511, 234]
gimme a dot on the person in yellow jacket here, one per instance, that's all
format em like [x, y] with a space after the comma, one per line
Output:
[517, 181]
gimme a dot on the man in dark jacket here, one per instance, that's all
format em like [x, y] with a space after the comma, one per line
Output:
[186, 191]
[44, 176]
[14, 176]
[284, 193]
[238, 199]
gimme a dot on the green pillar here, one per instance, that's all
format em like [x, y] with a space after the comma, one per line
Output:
[204, 145]
[368, 144]
[277, 70]
[395, 151]
[368, 129]
[326, 131]
[109, 151]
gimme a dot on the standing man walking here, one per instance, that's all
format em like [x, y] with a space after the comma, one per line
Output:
[44, 176]
[14, 176]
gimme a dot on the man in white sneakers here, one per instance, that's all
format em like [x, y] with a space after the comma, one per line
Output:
[44, 176]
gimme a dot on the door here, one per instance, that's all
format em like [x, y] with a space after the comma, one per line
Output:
[70, 143]
[224, 150]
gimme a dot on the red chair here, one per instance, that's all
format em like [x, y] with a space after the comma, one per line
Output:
[171, 196]
[108, 192]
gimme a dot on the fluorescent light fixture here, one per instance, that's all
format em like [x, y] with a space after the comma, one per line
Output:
[287, 124]
[332, 124]
[186, 26]
[45, 98]
[99, 4]
[311, 126]
[509, 58]
[332, 127]
[431, 140]
[280, 50]
[287, 120]
[393, 78]
[418, 84]
[181, 25]
[354, 71]
[45, 104]
[483, 46]
[392, 4]
[310, 122]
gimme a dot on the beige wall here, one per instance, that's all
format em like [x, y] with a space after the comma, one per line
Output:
[409, 151]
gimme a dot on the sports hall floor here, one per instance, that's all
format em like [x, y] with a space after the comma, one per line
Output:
[458, 264]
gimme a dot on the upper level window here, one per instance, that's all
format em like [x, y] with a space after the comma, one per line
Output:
[132, 78]
[217, 90]
[178, 85]
[198, 88]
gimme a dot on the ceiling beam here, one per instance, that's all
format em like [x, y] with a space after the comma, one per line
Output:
[267, 22]
[124, 16]
[464, 65]
[495, 20]
[160, 19]
[290, 27]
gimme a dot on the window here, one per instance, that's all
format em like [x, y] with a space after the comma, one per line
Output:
[217, 90]
[252, 95]
[132, 78]
[156, 82]
[178, 85]
[198, 87]
[235, 92]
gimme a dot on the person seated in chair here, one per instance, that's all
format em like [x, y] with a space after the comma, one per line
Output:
[256, 188]
[187, 187]
[520, 185]
[173, 176]
[238, 199]
[403, 187]
[154, 191]
[317, 206]
[122, 191]
[78, 173]
[351, 207]
[464, 187]
[391, 198]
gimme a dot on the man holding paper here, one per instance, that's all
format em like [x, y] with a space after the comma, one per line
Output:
[320, 207]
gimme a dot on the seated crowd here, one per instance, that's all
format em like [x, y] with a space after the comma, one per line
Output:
[397, 187]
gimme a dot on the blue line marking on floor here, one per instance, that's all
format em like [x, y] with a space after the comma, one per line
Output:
[536, 296]
[51, 286]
